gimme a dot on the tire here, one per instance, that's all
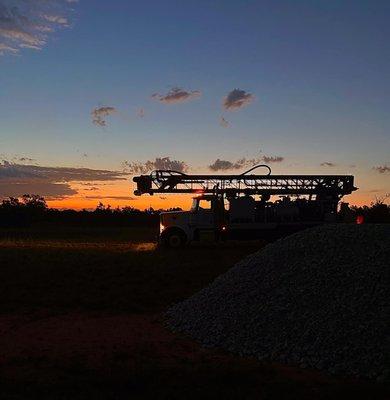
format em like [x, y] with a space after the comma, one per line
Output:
[174, 239]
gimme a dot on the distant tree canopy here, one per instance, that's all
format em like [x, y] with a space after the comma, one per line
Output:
[377, 212]
[28, 201]
[16, 212]
[33, 210]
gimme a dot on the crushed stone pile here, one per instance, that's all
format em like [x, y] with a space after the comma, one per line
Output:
[317, 299]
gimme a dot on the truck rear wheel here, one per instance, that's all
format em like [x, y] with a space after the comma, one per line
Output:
[174, 239]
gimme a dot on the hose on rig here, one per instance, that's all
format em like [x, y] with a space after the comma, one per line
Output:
[158, 174]
[258, 166]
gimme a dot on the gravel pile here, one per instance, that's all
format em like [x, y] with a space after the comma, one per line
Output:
[317, 299]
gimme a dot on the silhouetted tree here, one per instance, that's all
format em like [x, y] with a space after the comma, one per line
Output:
[34, 202]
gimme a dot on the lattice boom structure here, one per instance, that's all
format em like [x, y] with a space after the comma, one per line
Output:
[166, 181]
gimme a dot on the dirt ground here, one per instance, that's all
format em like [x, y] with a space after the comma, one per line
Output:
[85, 319]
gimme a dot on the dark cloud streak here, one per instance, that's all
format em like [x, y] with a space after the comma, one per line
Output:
[237, 99]
[100, 114]
[176, 95]
[49, 190]
[225, 165]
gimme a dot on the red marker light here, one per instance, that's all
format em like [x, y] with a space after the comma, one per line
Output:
[360, 219]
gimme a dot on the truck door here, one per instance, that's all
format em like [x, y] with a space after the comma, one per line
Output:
[202, 215]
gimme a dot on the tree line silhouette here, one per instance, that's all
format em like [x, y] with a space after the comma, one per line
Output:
[33, 210]
[377, 212]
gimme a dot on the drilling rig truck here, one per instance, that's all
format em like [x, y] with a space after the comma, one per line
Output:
[244, 206]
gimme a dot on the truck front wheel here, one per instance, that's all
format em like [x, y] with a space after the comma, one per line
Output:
[174, 239]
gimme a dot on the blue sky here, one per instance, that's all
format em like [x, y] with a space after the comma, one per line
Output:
[318, 72]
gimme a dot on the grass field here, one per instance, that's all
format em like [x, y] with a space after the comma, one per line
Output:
[81, 316]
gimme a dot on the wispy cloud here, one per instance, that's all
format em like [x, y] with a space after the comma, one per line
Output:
[28, 24]
[176, 95]
[327, 164]
[225, 165]
[272, 159]
[237, 99]
[165, 163]
[100, 114]
[50, 182]
[223, 122]
[6, 48]
[382, 169]
[57, 19]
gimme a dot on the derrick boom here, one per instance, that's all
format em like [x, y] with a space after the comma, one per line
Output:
[166, 181]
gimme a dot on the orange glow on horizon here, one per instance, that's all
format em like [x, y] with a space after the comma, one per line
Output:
[121, 194]
[142, 203]
[169, 201]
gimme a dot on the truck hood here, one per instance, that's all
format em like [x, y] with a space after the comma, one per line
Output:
[173, 217]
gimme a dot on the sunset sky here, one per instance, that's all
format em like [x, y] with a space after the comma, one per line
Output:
[94, 91]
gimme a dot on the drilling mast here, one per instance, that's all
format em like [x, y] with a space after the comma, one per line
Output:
[168, 181]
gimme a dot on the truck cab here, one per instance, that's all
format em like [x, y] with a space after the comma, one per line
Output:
[206, 216]
[210, 217]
